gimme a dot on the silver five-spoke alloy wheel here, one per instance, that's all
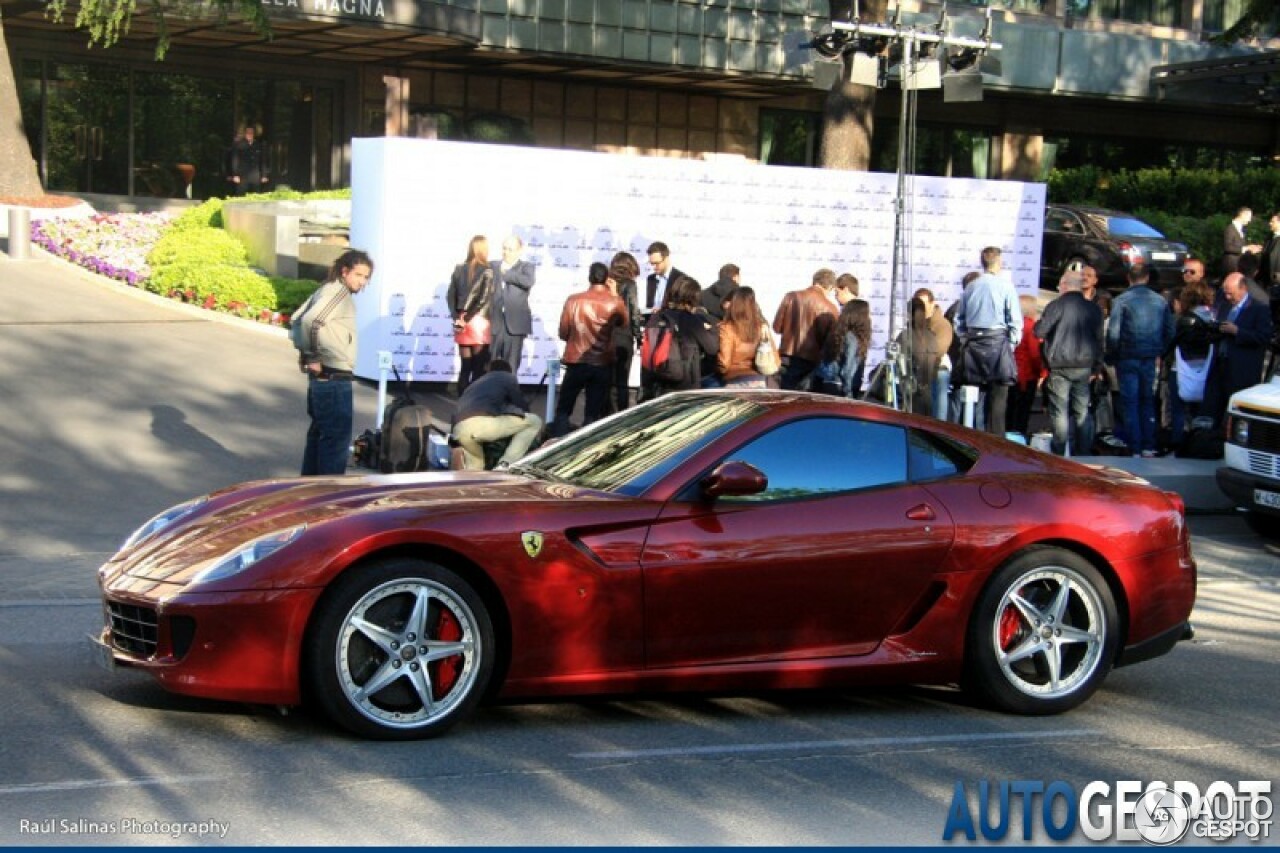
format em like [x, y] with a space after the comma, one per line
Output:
[1044, 633]
[400, 649]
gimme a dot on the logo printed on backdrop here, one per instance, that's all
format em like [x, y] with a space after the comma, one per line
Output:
[416, 203]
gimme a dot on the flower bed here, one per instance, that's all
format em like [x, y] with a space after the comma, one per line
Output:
[115, 245]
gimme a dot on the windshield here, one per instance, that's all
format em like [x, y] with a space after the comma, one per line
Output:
[632, 450]
[1123, 226]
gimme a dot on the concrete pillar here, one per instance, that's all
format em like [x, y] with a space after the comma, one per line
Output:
[19, 233]
[1021, 154]
[397, 105]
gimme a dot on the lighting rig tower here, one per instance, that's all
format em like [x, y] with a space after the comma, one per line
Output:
[925, 58]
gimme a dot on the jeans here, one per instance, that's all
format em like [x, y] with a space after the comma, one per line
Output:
[329, 436]
[795, 376]
[1068, 404]
[1138, 402]
[475, 432]
[622, 377]
[596, 380]
[942, 393]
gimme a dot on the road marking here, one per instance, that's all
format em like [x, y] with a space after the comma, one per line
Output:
[53, 602]
[854, 743]
[92, 784]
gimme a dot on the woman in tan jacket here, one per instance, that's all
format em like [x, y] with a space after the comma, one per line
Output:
[741, 332]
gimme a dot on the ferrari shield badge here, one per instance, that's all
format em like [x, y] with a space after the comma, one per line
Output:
[532, 541]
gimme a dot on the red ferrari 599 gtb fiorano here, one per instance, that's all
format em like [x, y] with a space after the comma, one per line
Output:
[705, 541]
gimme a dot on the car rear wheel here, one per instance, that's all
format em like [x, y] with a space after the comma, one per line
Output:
[1075, 264]
[399, 649]
[1044, 634]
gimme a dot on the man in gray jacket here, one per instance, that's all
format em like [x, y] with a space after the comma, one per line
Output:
[323, 330]
[1071, 328]
[1138, 333]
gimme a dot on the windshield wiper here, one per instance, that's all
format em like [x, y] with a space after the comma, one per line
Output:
[535, 472]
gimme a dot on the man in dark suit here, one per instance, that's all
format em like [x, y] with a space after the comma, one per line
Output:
[1233, 241]
[509, 315]
[655, 295]
[1246, 329]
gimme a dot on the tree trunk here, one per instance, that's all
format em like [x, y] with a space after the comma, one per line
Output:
[848, 116]
[848, 120]
[18, 175]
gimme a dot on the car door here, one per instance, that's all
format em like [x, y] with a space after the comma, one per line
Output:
[1062, 230]
[823, 563]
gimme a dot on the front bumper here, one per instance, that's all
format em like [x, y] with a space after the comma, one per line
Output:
[234, 646]
[1243, 487]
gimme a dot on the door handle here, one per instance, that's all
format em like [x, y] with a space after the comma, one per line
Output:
[78, 139]
[95, 136]
[922, 512]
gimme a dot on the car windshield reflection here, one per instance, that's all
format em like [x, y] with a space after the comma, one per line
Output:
[631, 451]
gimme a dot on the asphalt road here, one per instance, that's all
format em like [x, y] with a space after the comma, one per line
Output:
[117, 406]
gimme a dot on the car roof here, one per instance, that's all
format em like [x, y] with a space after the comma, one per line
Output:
[1098, 211]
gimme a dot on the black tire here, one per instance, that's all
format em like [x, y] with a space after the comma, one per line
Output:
[1076, 263]
[1264, 524]
[378, 623]
[1024, 628]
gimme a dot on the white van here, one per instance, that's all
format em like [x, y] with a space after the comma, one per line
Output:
[1251, 475]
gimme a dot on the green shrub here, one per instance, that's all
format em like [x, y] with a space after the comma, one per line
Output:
[197, 245]
[199, 262]
[205, 215]
[220, 286]
[291, 292]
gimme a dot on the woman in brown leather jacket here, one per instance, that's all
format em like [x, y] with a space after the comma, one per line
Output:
[741, 332]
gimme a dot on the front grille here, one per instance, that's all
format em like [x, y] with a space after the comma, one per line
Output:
[1263, 434]
[133, 629]
[1264, 464]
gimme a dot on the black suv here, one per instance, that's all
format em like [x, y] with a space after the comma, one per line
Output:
[1110, 242]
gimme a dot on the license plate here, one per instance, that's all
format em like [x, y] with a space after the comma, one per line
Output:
[1164, 256]
[103, 655]
[1264, 498]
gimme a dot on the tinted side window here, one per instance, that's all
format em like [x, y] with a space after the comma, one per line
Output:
[826, 455]
[932, 458]
[1057, 220]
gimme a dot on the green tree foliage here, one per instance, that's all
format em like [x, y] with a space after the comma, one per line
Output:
[1260, 18]
[106, 20]
[1192, 206]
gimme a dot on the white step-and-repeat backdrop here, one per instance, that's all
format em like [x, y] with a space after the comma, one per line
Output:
[417, 203]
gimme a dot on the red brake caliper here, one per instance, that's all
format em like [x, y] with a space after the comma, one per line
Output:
[1010, 627]
[444, 673]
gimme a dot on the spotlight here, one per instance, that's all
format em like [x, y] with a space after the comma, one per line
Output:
[924, 73]
[866, 70]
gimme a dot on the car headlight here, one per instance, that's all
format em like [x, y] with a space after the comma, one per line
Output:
[1240, 432]
[244, 557]
[161, 521]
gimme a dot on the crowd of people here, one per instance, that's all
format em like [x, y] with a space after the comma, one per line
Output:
[1141, 371]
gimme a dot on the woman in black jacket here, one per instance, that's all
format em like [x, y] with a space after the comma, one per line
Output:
[469, 297]
[696, 340]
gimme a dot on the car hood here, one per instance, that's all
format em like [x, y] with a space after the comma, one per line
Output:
[1264, 398]
[239, 515]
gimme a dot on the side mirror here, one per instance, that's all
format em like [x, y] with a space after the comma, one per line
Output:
[734, 478]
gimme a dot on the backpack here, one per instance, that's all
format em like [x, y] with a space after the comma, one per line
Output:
[666, 354]
[1202, 441]
[404, 442]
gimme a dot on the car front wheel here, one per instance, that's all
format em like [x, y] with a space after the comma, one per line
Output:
[399, 649]
[1044, 634]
